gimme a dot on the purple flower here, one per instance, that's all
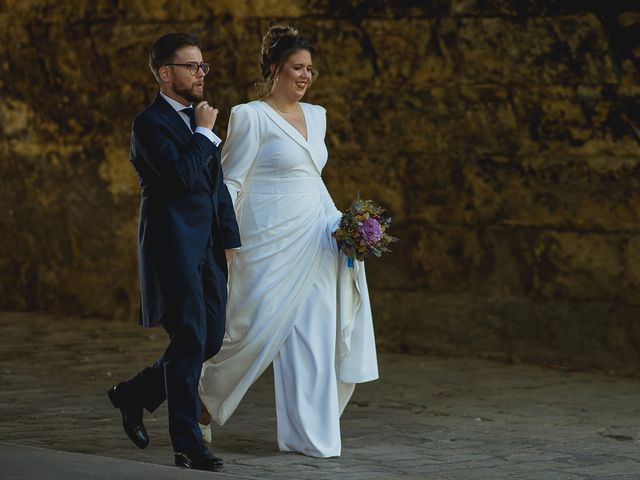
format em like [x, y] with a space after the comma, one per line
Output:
[370, 230]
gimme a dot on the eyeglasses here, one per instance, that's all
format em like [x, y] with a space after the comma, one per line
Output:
[193, 67]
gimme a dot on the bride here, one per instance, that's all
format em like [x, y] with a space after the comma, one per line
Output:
[292, 300]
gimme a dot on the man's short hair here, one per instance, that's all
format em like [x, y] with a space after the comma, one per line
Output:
[164, 49]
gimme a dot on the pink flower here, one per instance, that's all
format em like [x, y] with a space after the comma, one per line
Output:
[370, 230]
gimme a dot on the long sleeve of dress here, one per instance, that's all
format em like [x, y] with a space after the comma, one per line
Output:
[332, 213]
[240, 148]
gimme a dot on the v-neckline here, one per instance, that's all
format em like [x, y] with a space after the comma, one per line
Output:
[293, 127]
[309, 143]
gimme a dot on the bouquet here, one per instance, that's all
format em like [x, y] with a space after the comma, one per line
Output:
[362, 231]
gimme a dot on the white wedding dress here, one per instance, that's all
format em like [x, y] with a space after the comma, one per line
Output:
[292, 300]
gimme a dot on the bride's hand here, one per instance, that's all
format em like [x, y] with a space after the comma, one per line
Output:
[229, 253]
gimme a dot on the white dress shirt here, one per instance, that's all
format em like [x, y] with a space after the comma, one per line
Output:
[178, 107]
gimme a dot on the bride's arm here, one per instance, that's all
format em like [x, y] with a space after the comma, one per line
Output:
[332, 214]
[240, 148]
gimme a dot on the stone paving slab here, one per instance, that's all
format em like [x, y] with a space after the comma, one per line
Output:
[426, 418]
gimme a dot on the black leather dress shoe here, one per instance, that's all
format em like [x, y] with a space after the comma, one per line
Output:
[204, 460]
[131, 415]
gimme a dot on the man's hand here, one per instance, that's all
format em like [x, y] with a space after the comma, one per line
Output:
[205, 115]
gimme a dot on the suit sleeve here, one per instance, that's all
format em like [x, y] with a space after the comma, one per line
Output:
[227, 217]
[179, 168]
[240, 148]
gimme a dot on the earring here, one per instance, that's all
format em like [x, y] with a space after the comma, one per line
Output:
[276, 78]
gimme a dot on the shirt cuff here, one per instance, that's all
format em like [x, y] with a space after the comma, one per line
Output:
[210, 135]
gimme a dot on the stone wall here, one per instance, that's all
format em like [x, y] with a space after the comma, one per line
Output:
[502, 135]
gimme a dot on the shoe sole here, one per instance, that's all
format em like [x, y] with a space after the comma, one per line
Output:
[189, 467]
[182, 461]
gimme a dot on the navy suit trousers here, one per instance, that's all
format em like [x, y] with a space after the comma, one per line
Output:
[195, 324]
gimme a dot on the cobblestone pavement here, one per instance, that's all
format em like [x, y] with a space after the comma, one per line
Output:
[426, 418]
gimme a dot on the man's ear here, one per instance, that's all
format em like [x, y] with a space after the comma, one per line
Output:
[164, 74]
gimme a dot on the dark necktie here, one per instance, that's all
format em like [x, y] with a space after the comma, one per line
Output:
[191, 113]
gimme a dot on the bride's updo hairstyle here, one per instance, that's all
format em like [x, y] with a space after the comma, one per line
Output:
[278, 44]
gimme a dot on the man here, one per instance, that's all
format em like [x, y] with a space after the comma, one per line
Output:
[187, 224]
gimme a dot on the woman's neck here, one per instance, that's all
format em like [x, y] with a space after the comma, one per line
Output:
[283, 104]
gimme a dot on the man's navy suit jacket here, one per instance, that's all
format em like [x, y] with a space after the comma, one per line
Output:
[184, 206]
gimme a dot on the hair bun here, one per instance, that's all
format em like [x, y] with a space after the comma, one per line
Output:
[269, 41]
[276, 32]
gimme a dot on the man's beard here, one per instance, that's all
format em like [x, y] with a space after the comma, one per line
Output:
[187, 94]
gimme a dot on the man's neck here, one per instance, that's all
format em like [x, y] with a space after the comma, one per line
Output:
[174, 96]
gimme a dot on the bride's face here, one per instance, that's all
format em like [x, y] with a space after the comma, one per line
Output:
[296, 75]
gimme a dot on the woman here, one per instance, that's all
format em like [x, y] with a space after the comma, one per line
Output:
[289, 288]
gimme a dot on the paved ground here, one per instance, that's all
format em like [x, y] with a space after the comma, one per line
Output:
[427, 418]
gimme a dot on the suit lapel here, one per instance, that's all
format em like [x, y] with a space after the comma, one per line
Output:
[173, 119]
[294, 133]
